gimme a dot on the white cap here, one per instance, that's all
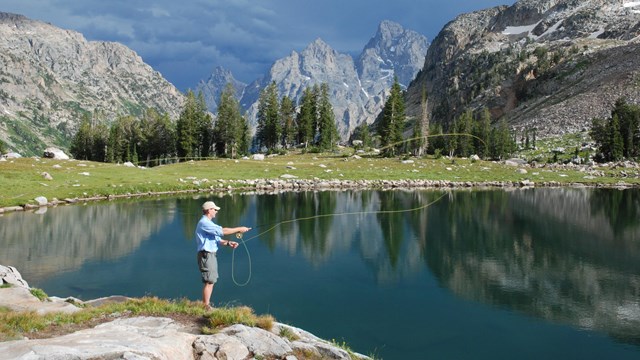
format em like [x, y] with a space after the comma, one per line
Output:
[210, 205]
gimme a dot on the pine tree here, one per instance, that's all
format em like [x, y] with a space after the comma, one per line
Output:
[269, 129]
[629, 122]
[81, 143]
[124, 136]
[393, 121]
[204, 126]
[186, 128]
[482, 131]
[438, 142]
[99, 142]
[158, 137]
[617, 143]
[306, 118]
[315, 124]
[619, 136]
[598, 133]
[463, 129]
[245, 137]
[288, 116]
[227, 131]
[327, 131]
[502, 143]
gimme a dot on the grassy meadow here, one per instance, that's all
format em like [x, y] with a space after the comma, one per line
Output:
[22, 180]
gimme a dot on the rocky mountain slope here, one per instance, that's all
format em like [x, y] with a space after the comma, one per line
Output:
[49, 77]
[552, 65]
[357, 88]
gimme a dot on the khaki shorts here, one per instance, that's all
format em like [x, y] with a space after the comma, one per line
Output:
[208, 265]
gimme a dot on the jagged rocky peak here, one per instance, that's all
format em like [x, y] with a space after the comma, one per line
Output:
[221, 75]
[319, 49]
[215, 84]
[393, 50]
[356, 90]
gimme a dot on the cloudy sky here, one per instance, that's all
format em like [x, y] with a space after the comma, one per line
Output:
[186, 39]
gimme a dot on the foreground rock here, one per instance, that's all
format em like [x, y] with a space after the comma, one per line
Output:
[146, 337]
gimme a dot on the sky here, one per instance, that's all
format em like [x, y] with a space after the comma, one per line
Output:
[186, 39]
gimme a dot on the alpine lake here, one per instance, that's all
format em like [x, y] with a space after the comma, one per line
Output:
[538, 273]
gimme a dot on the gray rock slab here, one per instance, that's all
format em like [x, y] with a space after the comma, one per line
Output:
[133, 338]
[20, 299]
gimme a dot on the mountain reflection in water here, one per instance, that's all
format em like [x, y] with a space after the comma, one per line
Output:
[569, 256]
[63, 238]
[565, 255]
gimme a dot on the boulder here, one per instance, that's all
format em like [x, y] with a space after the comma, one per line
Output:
[55, 153]
[12, 155]
[11, 275]
[515, 162]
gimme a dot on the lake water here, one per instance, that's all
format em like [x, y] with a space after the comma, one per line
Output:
[483, 274]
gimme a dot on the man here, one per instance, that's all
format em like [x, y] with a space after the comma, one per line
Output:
[209, 238]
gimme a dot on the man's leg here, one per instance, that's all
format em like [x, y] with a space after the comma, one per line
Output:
[207, 289]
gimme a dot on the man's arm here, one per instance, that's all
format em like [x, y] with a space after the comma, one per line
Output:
[229, 231]
[239, 229]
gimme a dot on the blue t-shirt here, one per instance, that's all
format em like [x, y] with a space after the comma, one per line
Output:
[208, 234]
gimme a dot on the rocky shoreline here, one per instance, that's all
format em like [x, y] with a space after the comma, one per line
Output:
[145, 337]
[270, 186]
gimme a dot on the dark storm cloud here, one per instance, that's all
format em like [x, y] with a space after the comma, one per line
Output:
[185, 40]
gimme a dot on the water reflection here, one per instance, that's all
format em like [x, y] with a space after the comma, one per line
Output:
[558, 254]
[62, 239]
[564, 255]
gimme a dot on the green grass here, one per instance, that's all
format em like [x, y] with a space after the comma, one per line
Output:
[22, 179]
[15, 325]
[39, 293]
[222, 317]
[288, 334]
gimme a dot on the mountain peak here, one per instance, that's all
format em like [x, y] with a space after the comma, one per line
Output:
[319, 44]
[320, 50]
[392, 51]
[389, 29]
[216, 83]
